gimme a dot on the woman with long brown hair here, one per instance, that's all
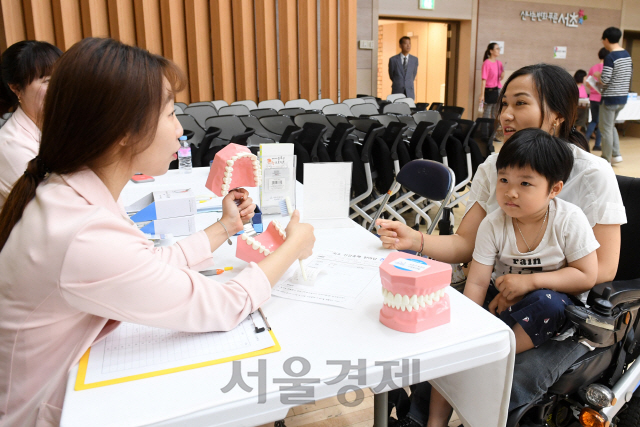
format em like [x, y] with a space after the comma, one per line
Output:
[73, 264]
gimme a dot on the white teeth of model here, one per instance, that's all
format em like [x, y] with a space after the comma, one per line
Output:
[397, 301]
[250, 240]
[388, 298]
[230, 162]
[244, 236]
[226, 180]
[226, 174]
[228, 169]
[442, 292]
[253, 157]
[224, 193]
[413, 302]
[255, 245]
[267, 252]
[262, 248]
[255, 162]
[405, 302]
[234, 158]
[384, 292]
[421, 300]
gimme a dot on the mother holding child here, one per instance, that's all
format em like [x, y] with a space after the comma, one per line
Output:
[546, 200]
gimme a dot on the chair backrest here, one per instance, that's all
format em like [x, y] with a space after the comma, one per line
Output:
[364, 124]
[301, 119]
[319, 104]
[276, 124]
[193, 104]
[484, 135]
[178, 109]
[229, 125]
[464, 130]
[399, 108]
[292, 112]
[395, 96]
[251, 105]
[385, 119]
[234, 110]
[340, 134]
[182, 105]
[417, 139]
[408, 120]
[199, 154]
[436, 106]
[190, 123]
[201, 112]
[427, 116]
[219, 104]
[407, 101]
[254, 123]
[364, 109]
[297, 103]
[353, 101]
[276, 104]
[439, 138]
[290, 134]
[337, 109]
[370, 100]
[428, 179]
[451, 110]
[628, 266]
[261, 112]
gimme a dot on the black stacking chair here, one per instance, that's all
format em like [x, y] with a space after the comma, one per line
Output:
[261, 112]
[428, 179]
[435, 106]
[484, 135]
[291, 112]
[336, 142]
[450, 112]
[276, 124]
[190, 123]
[309, 148]
[201, 112]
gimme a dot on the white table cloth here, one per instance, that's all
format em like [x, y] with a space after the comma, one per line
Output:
[470, 359]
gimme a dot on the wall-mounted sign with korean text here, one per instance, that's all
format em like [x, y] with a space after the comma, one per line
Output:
[570, 19]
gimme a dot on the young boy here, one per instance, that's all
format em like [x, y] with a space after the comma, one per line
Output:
[537, 249]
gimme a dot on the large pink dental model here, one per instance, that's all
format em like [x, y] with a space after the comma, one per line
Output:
[414, 293]
[234, 166]
[255, 249]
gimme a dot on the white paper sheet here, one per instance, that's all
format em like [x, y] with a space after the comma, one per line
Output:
[340, 280]
[136, 349]
[326, 190]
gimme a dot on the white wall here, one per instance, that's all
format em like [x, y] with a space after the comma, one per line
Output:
[444, 9]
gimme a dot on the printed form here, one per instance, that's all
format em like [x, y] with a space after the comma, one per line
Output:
[335, 278]
[134, 349]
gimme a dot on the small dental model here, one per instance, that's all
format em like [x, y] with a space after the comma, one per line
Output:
[234, 166]
[414, 293]
[256, 248]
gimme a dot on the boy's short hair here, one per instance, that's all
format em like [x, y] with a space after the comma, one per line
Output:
[579, 76]
[549, 156]
[404, 38]
[612, 34]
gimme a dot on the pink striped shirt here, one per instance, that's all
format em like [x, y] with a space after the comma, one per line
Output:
[593, 94]
[491, 72]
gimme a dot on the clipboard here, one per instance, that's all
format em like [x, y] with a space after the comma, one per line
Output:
[81, 378]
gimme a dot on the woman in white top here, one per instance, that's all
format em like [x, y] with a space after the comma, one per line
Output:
[24, 71]
[543, 96]
[74, 265]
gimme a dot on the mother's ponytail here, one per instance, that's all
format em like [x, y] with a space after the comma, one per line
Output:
[23, 191]
[578, 139]
[487, 53]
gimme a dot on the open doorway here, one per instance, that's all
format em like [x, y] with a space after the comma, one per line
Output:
[631, 42]
[430, 43]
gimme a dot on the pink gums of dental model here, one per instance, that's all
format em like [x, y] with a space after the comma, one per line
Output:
[234, 166]
[414, 293]
[255, 249]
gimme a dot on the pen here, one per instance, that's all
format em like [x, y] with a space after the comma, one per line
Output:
[216, 271]
[265, 319]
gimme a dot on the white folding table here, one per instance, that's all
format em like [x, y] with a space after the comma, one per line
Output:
[470, 360]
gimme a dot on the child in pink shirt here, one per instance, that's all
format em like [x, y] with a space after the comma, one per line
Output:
[595, 98]
[583, 111]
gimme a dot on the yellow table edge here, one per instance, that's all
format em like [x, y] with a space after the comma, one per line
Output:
[84, 361]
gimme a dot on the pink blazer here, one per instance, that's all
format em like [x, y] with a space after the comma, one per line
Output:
[19, 143]
[73, 268]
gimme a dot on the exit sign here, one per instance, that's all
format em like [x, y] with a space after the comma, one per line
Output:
[426, 4]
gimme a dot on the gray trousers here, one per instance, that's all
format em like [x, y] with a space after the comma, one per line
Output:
[607, 124]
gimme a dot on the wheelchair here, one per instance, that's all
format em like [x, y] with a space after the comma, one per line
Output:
[601, 388]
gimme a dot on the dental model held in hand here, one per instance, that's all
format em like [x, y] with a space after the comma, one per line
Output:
[254, 248]
[234, 166]
[414, 293]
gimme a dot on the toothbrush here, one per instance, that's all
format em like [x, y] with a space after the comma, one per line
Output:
[287, 210]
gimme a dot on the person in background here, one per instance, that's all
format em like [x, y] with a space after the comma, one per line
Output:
[25, 68]
[492, 75]
[403, 69]
[616, 79]
[74, 265]
[594, 101]
[583, 110]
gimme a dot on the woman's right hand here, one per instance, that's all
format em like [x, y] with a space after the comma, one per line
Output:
[300, 235]
[482, 100]
[396, 235]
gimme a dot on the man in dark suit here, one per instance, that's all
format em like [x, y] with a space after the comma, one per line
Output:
[403, 69]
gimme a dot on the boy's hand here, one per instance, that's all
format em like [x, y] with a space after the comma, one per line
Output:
[500, 304]
[515, 285]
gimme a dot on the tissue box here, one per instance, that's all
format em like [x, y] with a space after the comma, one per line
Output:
[163, 204]
[180, 226]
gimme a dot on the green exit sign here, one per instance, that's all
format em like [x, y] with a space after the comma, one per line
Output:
[426, 4]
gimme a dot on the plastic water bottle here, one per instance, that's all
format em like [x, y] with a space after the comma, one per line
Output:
[184, 155]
